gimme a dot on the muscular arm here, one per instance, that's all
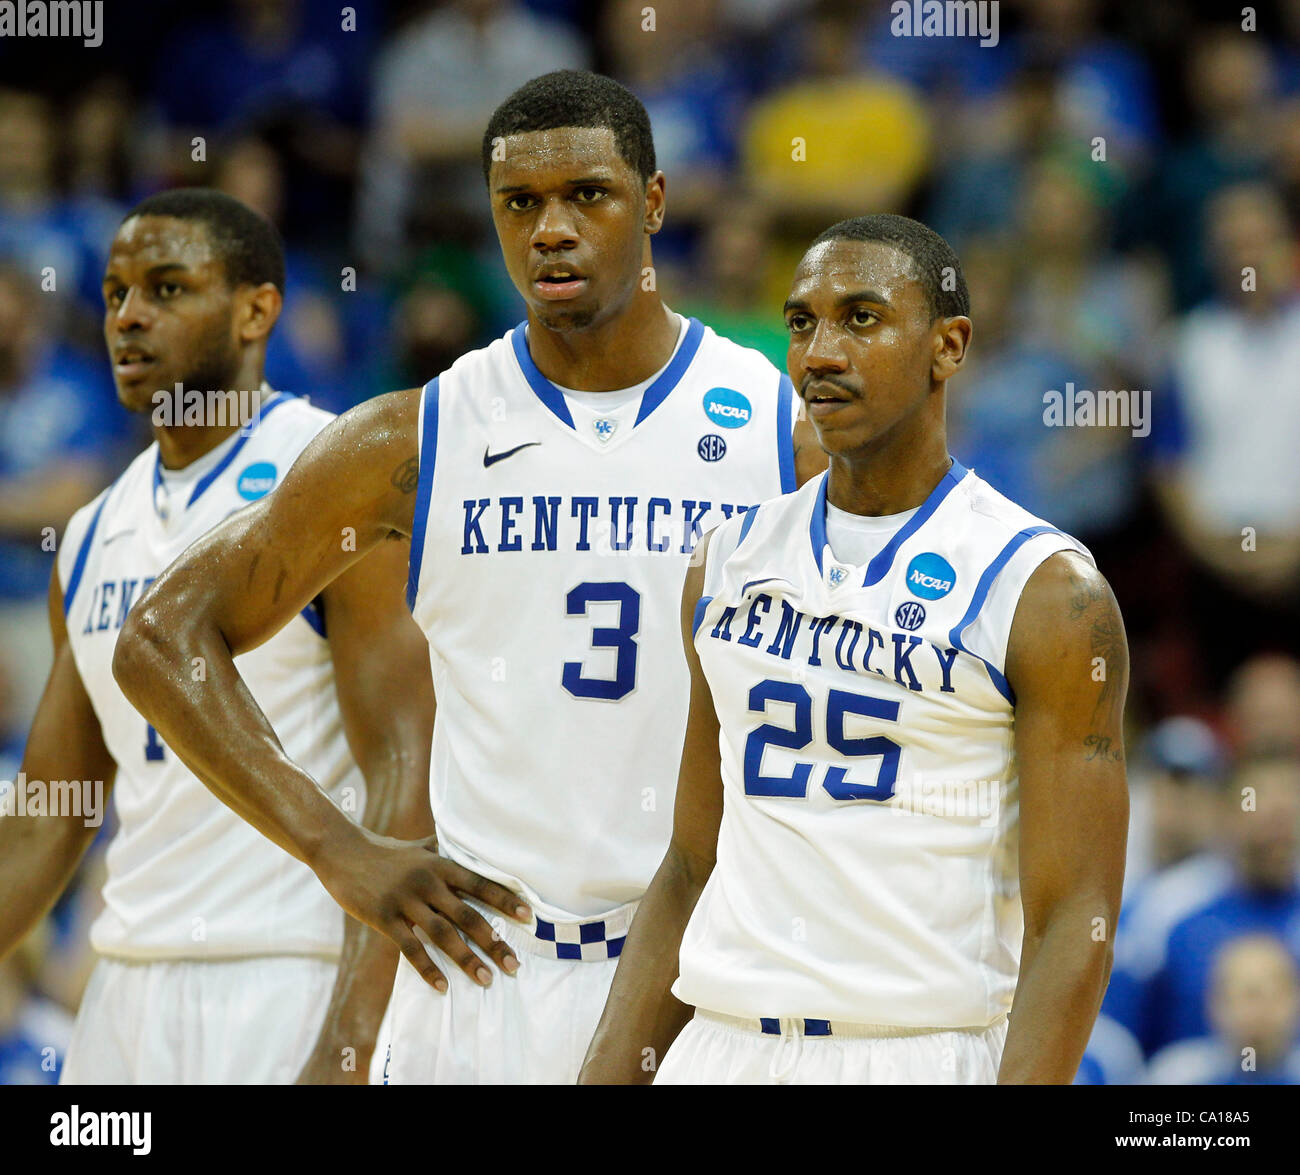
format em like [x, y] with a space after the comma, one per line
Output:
[385, 691]
[38, 854]
[1067, 660]
[641, 1012]
[349, 490]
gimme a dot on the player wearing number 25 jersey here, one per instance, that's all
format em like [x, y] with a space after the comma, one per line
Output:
[898, 726]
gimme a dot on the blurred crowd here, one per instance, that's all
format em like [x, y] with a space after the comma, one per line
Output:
[1121, 181]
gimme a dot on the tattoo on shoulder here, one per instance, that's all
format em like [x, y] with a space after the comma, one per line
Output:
[406, 477]
[1082, 596]
[1109, 666]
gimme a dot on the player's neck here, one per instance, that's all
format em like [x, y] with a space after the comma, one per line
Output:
[888, 481]
[617, 354]
[181, 444]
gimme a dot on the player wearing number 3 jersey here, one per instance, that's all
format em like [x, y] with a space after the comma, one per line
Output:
[902, 798]
[554, 485]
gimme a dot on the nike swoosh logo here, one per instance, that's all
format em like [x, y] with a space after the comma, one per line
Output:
[493, 458]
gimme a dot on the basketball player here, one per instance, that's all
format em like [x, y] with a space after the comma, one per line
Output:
[554, 484]
[905, 724]
[218, 952]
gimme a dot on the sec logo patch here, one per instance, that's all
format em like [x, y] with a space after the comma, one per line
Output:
[711, 447]
[910, 616]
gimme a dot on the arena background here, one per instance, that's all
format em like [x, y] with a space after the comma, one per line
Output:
[1122, 182]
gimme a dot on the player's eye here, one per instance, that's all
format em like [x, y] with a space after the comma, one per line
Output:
[589, 195]
[519, 203]
[864, 317]
[168, 289]
[797, 322]
[114, 297]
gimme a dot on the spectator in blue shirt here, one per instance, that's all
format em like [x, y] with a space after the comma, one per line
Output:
[1171, 933]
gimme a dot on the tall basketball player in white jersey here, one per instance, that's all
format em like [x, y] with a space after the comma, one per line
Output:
[218, 951]
[554, 485]
[905, 724]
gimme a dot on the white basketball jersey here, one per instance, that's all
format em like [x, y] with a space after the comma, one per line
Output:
[867, 859]
[187, 877]
[547, 561]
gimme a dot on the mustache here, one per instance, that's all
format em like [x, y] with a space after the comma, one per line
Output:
[833, 381]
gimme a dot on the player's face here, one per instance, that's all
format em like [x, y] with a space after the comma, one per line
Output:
[572, 218]
[861, 342]
[168, 311]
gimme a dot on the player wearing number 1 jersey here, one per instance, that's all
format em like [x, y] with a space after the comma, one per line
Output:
[902, 799]
[218, 951]
[554, 485]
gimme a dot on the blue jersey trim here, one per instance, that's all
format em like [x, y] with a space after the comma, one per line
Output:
[428, 452]
[701, 606]
[542, 387]
[750, 515]
[982, 589]
[879, 567]
[208, 478]
[785, 434]
[314, 614]
[83, 553]
[817, 525]
[658, 391]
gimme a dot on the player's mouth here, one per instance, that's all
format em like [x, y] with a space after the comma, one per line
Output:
[557, 283]
[823, 399]
[132, 363]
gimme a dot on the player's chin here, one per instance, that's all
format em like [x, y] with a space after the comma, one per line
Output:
[565, 316]
[138, 395]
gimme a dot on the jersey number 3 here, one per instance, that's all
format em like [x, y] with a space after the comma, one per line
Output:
[839, 704]
[618, 637]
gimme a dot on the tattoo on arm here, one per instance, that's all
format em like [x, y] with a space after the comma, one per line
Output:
[1110, 656]
[406, 477]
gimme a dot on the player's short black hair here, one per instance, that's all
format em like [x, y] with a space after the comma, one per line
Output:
[930, 253]
[247, 243]
[576, 97]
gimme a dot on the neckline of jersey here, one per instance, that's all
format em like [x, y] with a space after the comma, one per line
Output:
[553, 398]
[235, 443]
[879, 566]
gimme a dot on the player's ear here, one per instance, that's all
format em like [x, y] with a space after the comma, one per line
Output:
[655, 188]
[257, 308]
[951, 341]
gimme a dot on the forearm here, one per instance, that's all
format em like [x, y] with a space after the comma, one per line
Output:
[38, 856]
[1063, 975]
[187, 687]
[642, 1017]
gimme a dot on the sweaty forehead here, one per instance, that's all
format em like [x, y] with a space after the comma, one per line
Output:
[162, 240]
[556, 155]
[838, 267]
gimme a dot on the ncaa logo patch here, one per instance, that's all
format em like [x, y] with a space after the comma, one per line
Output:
[727, 408]
[711, 447]
[930, 576]
[256, 481]
[910, 616]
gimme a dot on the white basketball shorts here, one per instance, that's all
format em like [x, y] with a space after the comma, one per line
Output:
[724, 1050]
[530, 1028]
[183, 1022]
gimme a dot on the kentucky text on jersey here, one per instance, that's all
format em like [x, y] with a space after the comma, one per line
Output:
[652, 525]
[111, 601]
[853, 646]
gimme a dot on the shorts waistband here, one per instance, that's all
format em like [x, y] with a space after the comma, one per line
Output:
[798, 1026]
[591, 940]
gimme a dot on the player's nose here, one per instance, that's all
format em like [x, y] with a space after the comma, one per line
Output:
[132, 312]
[824, 351]
[554, 227]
